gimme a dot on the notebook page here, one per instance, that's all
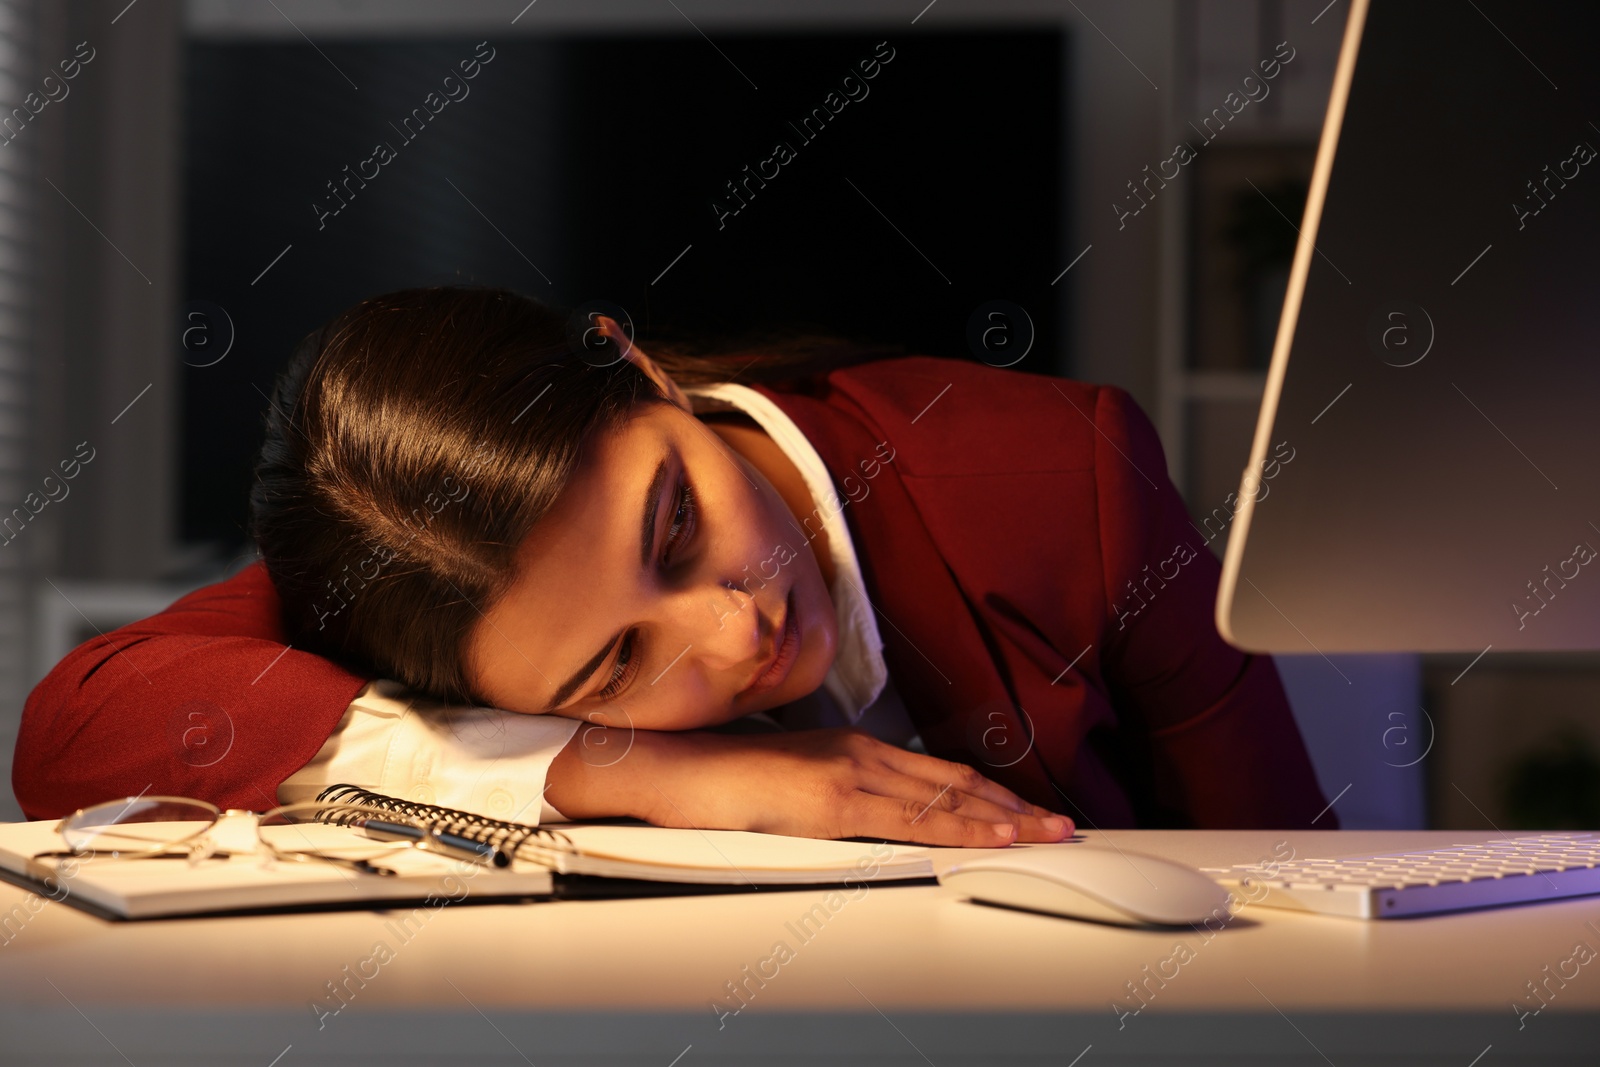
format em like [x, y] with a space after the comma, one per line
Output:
[734, 856]
[145, 888]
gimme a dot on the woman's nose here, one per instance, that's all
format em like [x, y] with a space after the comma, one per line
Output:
[727, 632]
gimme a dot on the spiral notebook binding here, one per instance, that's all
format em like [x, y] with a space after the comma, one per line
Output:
[508, 837]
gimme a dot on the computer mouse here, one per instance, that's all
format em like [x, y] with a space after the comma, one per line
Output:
[1086, 882]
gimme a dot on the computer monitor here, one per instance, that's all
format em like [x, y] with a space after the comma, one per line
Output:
[1436, 374]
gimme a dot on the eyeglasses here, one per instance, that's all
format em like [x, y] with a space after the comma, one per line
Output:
[146, 827]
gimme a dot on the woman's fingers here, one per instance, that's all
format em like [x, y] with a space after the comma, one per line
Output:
[830, 783]
[871, 815]
[929, 797]
[962, 777]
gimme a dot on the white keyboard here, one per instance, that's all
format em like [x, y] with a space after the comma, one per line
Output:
[1388, 885]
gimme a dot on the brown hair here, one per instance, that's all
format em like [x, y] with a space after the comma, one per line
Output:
[413, 442]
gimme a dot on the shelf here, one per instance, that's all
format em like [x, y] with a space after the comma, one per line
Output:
[1223, 385]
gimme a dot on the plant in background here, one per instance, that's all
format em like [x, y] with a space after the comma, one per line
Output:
[1555, 786]
[1264, 243]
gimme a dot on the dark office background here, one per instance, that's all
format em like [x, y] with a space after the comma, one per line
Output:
[599, 159]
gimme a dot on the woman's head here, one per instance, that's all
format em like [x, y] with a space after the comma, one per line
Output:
[452, 495]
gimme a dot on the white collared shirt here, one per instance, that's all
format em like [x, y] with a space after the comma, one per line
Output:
[494, 762]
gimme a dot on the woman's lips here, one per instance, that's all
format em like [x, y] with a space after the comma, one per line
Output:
[786, 648]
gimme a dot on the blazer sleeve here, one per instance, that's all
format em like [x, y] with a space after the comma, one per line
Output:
[201, 700]
[1213, 742]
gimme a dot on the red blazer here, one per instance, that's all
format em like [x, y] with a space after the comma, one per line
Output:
[1044, 601]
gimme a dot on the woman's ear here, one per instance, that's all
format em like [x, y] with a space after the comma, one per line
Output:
[636, 355]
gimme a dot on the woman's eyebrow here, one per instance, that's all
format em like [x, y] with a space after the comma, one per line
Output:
[647, 541]
[582, 674]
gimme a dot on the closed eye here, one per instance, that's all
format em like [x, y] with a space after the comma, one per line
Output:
[683, 521]
[678, 534]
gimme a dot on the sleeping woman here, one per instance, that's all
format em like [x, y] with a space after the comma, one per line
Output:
[797, 591]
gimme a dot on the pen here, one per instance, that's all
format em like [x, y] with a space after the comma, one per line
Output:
[434, 839]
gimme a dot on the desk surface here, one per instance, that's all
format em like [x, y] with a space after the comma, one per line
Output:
[899, 974]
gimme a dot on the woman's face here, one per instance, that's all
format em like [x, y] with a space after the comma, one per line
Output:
[671, 587]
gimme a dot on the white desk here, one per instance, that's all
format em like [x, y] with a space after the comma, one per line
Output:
[902, 975]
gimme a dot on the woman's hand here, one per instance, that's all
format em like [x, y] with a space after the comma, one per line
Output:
[811, 783]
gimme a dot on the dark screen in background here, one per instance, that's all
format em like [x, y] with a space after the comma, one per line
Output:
[578, 168]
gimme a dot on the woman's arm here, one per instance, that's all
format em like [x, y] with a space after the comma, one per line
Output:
[203, 699]
[811, 783]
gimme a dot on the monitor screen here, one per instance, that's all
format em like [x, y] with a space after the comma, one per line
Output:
[1436, 374]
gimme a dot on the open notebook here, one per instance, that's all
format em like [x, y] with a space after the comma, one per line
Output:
[574, 861]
